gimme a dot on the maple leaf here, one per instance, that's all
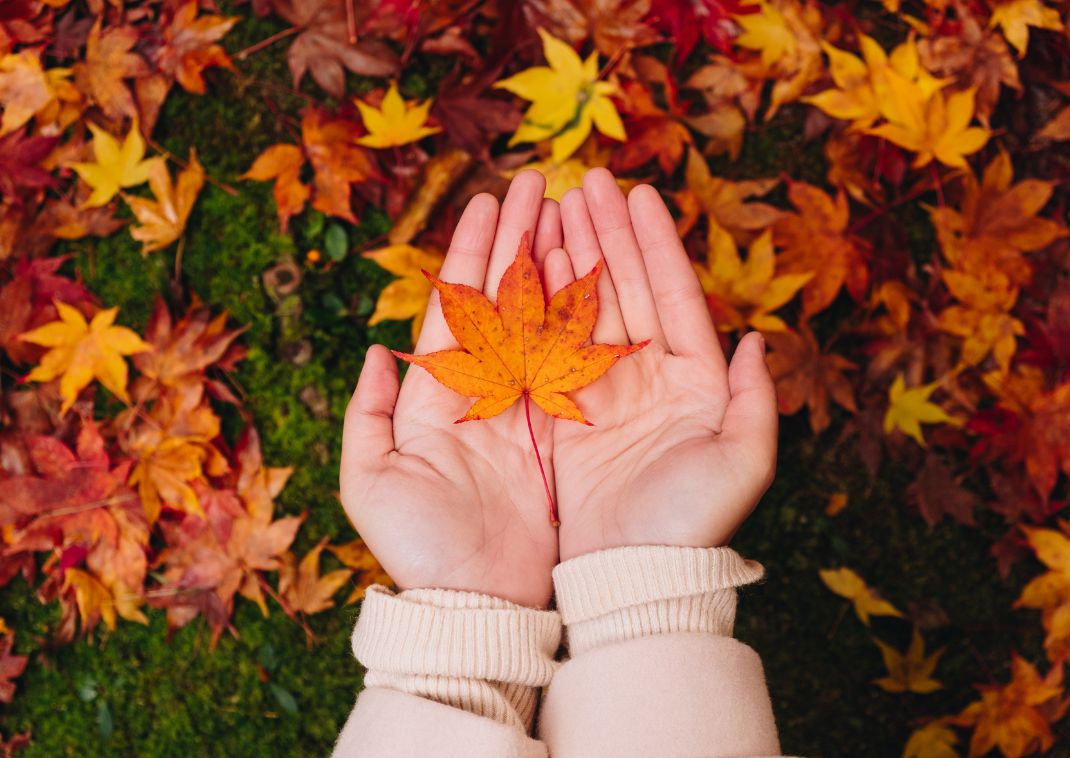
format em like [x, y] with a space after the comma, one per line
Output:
[615, 26]
[566, 100]
[997, 223]
[283, 164]
[724, 202]
[20, 159]
[804, 375]
[862, 84]
[190, 46]
[937, 491]
[183, 351]
[846, 583]
[1016, 16]
[11, 666]
[934, 740]
[768, 32]
[93, 598]
[357, 556]
[978, 58]
[323, 49]
[407, 297]
[1050, 592]
[983, 319]
[109, 60]
[116, 166]
[28, 90]
[79, 351]
[395, 122]
[303, 587]
[523, 347]
[173, 449]
[908, 409]
[816, 239]
[911, 671]
[1058, 128]
[935, 127]
[710, 18]
[653, 133]
[331, 146]
[1017, 716]
[745, 293]
[164, 219]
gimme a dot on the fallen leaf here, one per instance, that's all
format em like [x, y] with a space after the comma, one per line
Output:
[805, 375]
[303, 587]
[116, 166]
[109, 61]
[357, 556]
[406, 297]
[282, 163]
[934, 740]
[846, 583]
[1016, 16]
[566, 97]
[11, 666]
[911, 671]
[190, 46]
[80, 351]
[395, 122]
[908, 409]
[164, 219]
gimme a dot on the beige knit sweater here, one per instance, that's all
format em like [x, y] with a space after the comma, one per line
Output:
[652, 667]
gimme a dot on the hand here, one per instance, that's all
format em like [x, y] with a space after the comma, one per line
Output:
[455, 506]
[683, 446]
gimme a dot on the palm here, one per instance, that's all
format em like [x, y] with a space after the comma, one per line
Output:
[455, 506]
[681, 448]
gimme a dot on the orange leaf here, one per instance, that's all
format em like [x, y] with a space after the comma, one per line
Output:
[522, 347]
[164, 219]
[283, 164]
[303, 587]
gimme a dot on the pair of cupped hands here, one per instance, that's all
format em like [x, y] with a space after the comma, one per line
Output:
[682, 447]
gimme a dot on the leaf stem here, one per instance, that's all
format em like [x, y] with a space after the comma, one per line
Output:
[554, 520]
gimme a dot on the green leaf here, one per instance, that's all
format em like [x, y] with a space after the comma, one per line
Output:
[336, 242]
[284, 698]
[105, 724]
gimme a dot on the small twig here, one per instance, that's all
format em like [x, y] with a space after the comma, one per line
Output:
[351, 23]
[185, 165]
[939, 185]
[178, 258]
[839, 619]
[252, 49]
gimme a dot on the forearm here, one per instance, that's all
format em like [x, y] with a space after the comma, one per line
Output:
[649, 634]
[449, 673]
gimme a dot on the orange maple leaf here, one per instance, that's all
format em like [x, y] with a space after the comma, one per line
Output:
[816, 239]
[163, 220]
[109, 59]
[805, 375]
[190, 46]
[521, 347]
[303, 587]
[357, 556]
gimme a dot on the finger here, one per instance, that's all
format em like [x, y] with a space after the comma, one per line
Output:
[681, 303]
[368, 434]
[581, 243]
[520, 214]
[557, 271]
[750, 421]
[613, 225]
[547, 232]
[466, 263]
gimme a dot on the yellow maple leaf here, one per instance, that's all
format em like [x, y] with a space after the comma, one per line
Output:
[983, 319]
[116, 166]
[406, 297]
[560, 177]
[567, 99]
[768, 33]
[846, 583]
[727, 204]
[1050, 592]
[934, 740]
[743, 293]
[911, 671]
[935, 126]
[862, 86]
[1016, 16]
[164, 219]
[357, 556]
[81, 351]
[908, 409]
[303, 587]
[395, 122]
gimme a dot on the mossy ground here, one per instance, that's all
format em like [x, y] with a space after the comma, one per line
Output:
[133, 692]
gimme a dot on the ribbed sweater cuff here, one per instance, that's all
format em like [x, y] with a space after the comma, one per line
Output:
[480, 653]
[638, 591]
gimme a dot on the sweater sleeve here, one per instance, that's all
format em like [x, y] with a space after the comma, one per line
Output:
[449, 674]
[654, 669]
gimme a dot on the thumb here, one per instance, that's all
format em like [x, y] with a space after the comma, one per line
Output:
[750, 421]
[369, 424]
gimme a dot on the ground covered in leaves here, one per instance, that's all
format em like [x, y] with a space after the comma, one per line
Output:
[848, 493]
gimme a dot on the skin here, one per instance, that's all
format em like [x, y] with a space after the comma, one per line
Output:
[684, 443]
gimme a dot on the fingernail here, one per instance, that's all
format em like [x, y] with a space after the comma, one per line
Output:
[761, 343]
